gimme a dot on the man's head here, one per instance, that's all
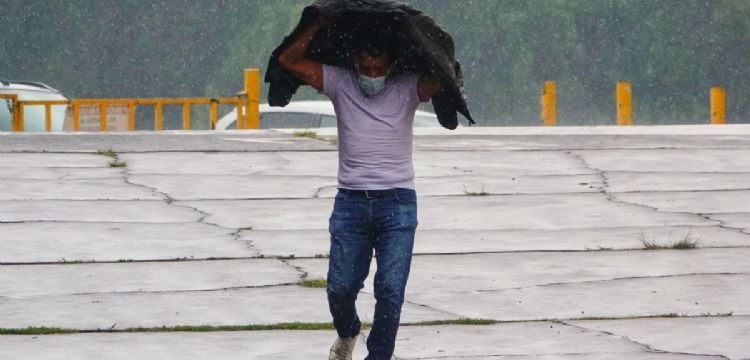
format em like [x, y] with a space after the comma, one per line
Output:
[375, 54]
[374, 62]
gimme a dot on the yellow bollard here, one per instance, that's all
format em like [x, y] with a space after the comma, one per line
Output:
[213, 113]
[549, 104]
[158, 116]
[47, 117]
[131, 117]
[186, 115]
[252, 100]
[20, 120]
[76, 117]
[103, 117]
[624, 104]
[718, 106]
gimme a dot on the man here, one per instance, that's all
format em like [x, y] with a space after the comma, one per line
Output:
[376, 205]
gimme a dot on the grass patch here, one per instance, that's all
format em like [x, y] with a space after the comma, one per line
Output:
[111, 153]
[37, 331]
[477, 193]
[686, 243]
[306, 134]
[118, 164]
[210, 328]
[314, 283]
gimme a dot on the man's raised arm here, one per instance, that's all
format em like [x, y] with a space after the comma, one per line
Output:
[293, 57]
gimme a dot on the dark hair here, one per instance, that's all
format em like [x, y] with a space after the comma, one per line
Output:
[377, 43]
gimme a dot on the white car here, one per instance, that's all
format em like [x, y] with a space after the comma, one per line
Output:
[307, 115]
[33, 115]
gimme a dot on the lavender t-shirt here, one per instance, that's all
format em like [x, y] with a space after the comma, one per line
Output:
[375, 133]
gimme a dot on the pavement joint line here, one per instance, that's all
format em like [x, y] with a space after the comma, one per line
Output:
[445, 312]
[648, 348]
[463, 321]
[156, 292]
[262, 256]
[599, 281]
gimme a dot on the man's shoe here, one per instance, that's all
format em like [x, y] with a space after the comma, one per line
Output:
[342, 349]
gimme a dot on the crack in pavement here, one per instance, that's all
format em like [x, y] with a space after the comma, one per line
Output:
[595, 281]
[612, 197]
[303, 274]
[158, 291]
[647, 348]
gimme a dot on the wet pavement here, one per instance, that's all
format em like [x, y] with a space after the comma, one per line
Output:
[540, 233]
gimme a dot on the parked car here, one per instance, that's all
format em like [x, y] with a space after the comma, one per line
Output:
[307, 115]
[33, 115]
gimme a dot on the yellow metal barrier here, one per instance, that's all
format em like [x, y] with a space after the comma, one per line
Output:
[246, 104]
[624, 104]
[549, 104]
[718, 106]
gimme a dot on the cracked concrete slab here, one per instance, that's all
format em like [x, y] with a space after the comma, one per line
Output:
[59, 173]
[309, 243]
[76, 241]
[496, 163]
[682, 294]
[697, 202]
[552, 211]
[726, 336]
[532, 341]
[508, 185]
[618, 182]
[458, 273]
[69, 189]
[266, 305]
[199, 187]
[203, 163]
[24, 281]
[733, 220]
[159, 141]
[52, 160]
[669, 160]
[95, 211]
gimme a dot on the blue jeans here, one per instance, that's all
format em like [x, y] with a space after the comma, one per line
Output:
[384, 222]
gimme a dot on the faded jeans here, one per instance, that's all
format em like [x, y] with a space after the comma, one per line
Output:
[384, 221]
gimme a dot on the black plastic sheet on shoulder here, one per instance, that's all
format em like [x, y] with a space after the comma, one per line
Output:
[421, 46]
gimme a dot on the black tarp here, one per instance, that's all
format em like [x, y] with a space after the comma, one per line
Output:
[422, 47]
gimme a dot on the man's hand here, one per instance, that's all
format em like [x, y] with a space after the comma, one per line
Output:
[429, 85]
[293, 57]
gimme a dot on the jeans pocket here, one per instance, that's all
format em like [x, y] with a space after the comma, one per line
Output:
[406, 196]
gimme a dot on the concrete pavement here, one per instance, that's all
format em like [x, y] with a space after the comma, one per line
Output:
[540, 231]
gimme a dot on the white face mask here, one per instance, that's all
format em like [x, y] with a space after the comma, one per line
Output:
[372, 86]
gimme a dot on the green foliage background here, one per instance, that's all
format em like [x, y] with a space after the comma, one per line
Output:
[672, 51]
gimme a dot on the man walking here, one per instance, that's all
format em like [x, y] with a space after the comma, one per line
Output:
[375, 208]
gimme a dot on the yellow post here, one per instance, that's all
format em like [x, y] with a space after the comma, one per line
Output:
[20, 120]
[718, 106]
[102, 117]
[131, 117]
[186, 115]
[549, 104]
[158, 115]
[252, 99]
[47, 117]
[214, 113]
[624, 104]
[76, 117]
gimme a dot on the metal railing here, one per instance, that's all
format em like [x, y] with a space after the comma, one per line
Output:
[246, 103]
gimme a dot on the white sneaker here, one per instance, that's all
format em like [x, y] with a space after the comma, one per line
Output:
[342, 349]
